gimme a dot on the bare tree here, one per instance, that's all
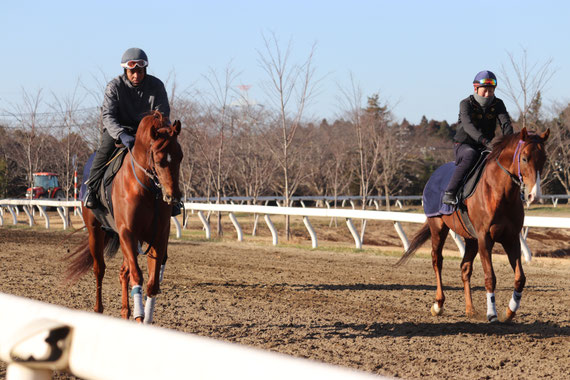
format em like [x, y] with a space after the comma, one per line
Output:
[558, 147]
[69, 127]
[367, 140]
[29, 120]
[289, 88]
[526, 82]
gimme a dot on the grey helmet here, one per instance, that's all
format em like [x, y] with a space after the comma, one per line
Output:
[134, 55]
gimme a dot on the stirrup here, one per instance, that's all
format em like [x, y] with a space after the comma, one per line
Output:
[449, 198]
[91, 200]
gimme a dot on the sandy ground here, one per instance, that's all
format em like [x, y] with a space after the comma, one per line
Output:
[334, 304]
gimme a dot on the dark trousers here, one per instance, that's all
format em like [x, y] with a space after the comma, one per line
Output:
[102, 156]
[465, 157]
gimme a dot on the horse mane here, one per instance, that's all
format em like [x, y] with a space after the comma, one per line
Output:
[501, 143]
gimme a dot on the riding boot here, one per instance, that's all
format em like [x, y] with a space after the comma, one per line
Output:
[91, 200]
[102, 155]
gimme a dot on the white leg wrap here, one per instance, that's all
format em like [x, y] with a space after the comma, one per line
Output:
[515, 302]
[161, 273]
[491, 309]
[137, 301]
[436, 307]
[149, 310]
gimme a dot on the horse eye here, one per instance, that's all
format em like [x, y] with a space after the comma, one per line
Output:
[524, 159]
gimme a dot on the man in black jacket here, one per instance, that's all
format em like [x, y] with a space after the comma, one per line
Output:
[478, 116]
[128, 98]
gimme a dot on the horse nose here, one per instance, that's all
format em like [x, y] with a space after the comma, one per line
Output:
[167, 198]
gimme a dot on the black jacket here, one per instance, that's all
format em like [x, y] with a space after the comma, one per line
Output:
[125, 105]
[477, 124]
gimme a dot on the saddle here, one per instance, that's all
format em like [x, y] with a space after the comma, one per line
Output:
[437, 183]
[104, 213]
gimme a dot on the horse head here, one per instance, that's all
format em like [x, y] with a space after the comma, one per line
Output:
[165, 153]
[529, 158]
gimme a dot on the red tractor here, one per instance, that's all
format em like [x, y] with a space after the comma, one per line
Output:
[46, 185]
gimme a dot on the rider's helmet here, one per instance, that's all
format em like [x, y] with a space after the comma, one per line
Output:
[484, 78]
[134, 57]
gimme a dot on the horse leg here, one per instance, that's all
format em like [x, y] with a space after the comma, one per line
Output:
[466, 271]
[485, 248]
[513, 249]
[129, 247]
[97, 242]
[124, 280]
[155, 258]
[439, 233]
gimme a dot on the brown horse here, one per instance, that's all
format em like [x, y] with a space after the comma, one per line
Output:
[141, 214]
[497, 214]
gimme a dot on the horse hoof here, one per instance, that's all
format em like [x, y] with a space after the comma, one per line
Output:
[436, 310]
[139, 319]
[492, 319]
[509, 315]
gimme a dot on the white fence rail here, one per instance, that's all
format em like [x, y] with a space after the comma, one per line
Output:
[304, 212]
[37, 338]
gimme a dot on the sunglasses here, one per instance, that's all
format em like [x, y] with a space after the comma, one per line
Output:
[487, 82]
[134, 63]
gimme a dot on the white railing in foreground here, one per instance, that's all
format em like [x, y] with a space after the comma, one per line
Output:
[93, 346]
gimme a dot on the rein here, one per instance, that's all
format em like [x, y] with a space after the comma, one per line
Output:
[150, 174]
[153, 177]
[518, 180]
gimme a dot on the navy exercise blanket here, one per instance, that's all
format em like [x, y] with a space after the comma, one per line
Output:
[434, 189]
[86, 170]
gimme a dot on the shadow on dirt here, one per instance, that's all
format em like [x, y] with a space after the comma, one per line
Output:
[336, 287]
[537, 330]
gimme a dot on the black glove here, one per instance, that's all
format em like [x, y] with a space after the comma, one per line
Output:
[486, 143]
[127, 140]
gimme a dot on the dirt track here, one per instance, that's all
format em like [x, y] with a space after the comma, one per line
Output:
[338, 306]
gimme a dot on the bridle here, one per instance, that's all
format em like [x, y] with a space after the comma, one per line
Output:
[517, 179]
[157, 187]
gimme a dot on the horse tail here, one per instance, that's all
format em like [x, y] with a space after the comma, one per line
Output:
[81, 261]
[421, 237]
[113, 244]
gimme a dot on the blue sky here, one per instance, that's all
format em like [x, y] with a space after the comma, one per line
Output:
[420, 56]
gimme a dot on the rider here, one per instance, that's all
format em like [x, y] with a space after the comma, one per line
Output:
[128, 98]
[478, 116]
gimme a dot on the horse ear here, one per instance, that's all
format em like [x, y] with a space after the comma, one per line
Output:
[545, 135]
[524, 134]
[176, 127]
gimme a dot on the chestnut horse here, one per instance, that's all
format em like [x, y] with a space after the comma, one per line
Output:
[144, 191]
[497, 213]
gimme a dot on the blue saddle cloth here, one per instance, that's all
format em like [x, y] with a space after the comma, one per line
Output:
[86, 171]
[434, 189]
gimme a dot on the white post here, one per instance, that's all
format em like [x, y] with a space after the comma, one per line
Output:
[255, 219]
[14, 217]
[458, 242]
[29, 215]
[311, 231]
[177, 225]
[237, 226]
[271, 228]
[61, 213]
[354, 233]
[525, 249]
[205, 223]
[16, 371]
[402, 235]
